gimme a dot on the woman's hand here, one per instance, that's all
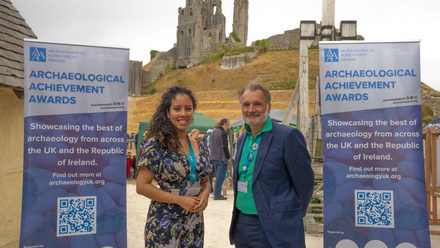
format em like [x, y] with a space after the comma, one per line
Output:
[198, 203]
[203, 201]
[189, 203]
[203, 197]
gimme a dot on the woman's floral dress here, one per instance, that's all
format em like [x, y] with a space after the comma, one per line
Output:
[169, 225]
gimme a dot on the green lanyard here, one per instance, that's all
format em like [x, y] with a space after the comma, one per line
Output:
[192, 161]
[250, 156]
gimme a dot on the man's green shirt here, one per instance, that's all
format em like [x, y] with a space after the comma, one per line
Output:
[245, 201]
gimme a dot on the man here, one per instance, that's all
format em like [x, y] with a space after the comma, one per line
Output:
[273, 178]
[219, 155]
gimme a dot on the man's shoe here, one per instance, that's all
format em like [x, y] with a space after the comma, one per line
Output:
[220, 197]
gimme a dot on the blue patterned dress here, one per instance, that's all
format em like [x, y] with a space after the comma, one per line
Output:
[169, 225]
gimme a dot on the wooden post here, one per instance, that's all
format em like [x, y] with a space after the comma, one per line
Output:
[328, 20]
[317, 96]
[435, 220]
[316, 137]
[348, 30]
[307, 37]
[431, 175]
[428, 170]
[303, 110]
[135, 78]
[292, 105]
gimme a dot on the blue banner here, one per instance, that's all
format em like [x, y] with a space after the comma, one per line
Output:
[374, 181]
[74, 177]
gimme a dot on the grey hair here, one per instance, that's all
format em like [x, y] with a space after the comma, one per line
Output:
[252, 87]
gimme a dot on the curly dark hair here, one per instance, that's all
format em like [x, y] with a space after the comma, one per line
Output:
[161, 129]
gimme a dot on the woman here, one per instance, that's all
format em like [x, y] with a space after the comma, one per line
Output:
[180, 165]
[195, 133]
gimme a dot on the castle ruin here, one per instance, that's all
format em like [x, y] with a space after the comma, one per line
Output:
[201, 29]
[241, 20]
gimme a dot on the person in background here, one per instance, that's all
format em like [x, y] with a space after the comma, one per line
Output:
[273, 178]
[195, 134]
[133, 167]
[180, 166]
[205, 139]
[234, 146]
[129, 165]
[219, 155]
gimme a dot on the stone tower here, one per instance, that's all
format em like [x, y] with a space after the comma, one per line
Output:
[200, 30]
[241, 20]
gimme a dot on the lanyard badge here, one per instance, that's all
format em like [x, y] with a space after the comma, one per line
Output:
[250, 156]
[192, 161]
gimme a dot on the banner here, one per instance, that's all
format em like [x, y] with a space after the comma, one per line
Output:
[374, 181]
[74, 175]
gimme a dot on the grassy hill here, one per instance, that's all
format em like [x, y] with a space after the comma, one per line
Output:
[216, 89]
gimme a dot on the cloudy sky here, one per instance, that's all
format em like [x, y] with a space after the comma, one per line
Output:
[144, 25]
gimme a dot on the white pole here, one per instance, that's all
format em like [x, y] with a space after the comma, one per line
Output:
[328, 20]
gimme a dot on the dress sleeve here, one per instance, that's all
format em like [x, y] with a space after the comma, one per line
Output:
[150, 156]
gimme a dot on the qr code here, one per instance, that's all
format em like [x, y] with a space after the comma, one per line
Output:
[76, 216]
[374, 208]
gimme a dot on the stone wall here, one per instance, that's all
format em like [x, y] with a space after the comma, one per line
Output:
[287, 41]
[231, 62]
[290, 39]
[160, 65]
[432, 99]
[11, 166]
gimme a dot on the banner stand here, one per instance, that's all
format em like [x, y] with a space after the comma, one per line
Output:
[431, 175]
[75, 146]
[374, 177]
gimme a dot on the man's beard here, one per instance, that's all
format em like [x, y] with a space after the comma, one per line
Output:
[259, 120]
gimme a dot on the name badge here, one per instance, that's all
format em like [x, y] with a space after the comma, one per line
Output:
[193, 189]
[242, 187]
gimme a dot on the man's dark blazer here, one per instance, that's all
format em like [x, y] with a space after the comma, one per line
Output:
[282, 184]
